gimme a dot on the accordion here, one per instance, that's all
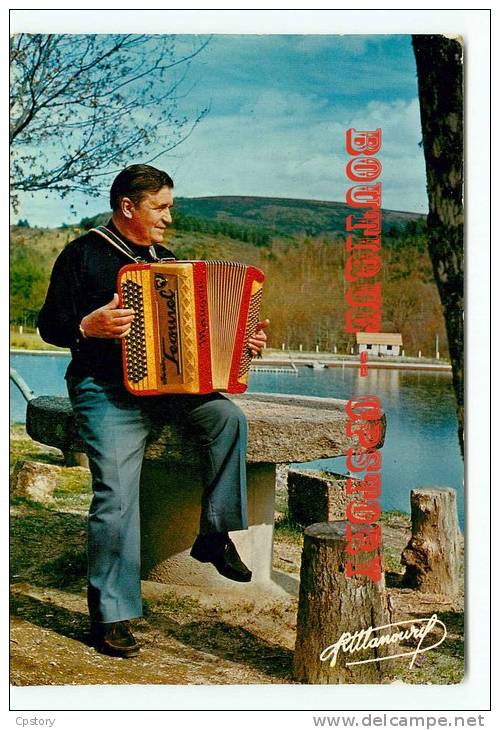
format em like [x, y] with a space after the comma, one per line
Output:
[191, 326]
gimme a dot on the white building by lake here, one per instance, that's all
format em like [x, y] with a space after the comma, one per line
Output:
[379, 343]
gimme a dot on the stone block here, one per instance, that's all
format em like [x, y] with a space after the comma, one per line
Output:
[315, 496]
[34, 480]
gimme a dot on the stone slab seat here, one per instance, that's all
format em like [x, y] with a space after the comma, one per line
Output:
[282, 429]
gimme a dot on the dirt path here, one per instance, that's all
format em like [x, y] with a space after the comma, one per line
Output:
[184, 641]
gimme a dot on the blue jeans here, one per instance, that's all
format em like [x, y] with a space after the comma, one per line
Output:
[114, 426]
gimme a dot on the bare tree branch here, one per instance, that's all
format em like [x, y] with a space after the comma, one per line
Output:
[81, 105]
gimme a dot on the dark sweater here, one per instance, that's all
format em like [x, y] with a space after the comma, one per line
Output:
[83, 279]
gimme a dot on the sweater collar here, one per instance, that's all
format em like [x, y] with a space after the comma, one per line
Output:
[143, 251]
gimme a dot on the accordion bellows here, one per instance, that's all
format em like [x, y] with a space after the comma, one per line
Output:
[191, 327]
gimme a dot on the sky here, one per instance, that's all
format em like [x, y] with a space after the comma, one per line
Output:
[279, 107]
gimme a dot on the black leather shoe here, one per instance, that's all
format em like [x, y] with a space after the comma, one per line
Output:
[114, 639]
[217, 548]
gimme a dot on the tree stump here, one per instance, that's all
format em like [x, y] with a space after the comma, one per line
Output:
[432, 555]
[331, 605]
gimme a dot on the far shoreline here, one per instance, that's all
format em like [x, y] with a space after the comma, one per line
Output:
[315, 360]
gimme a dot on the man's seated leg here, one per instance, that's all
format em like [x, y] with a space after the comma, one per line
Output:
[114, 429]
[221, 430]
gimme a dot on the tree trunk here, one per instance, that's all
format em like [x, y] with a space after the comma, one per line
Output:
[440, 88]
[432, 556]
[331, 604]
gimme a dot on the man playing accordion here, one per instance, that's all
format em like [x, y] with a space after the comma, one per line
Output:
[81, 311]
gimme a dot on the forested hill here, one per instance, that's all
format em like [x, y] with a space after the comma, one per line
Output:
[274, 216]
[300, 246]
[284, 215]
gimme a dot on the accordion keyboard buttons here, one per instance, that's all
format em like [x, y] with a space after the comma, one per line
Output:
[136, 362]
[252, 321]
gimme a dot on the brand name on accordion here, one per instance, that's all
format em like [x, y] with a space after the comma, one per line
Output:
[170, 340]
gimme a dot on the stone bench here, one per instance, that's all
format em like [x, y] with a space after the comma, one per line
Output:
[283, 429]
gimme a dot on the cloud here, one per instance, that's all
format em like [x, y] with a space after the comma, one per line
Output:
[275, 104]
[287, 152]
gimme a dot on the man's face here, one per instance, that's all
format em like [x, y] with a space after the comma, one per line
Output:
[151, 216]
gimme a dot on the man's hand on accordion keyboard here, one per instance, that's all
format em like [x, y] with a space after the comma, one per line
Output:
[257, 342]
[108, 321]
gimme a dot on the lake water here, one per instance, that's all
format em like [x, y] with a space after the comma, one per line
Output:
[421, 447]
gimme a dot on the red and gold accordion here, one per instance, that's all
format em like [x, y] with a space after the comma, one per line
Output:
[191, 326]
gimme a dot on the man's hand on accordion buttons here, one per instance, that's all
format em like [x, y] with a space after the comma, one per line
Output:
[108, 321]
[257, 343]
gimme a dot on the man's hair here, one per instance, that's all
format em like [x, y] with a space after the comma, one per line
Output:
[134, 181]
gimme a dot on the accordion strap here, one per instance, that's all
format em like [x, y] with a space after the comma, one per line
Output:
[117, 242]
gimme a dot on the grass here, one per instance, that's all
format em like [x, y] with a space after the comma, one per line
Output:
[66, 571]
[76, 481]
[22, 447]
[172, 604]
[395, 518]
[288, 531]
[30, 341]
[446, 664]
[392, 559]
